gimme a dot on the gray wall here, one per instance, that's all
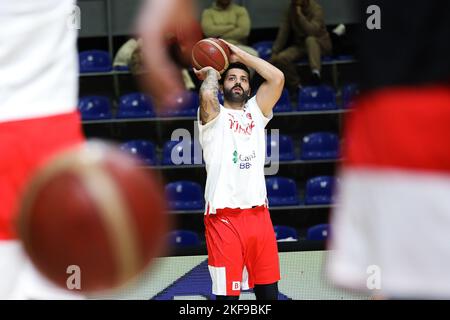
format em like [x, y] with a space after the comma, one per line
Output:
[264, 14]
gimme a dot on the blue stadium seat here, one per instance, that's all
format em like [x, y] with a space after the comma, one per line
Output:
[319, 190]
[318, 232]
[187, 106]
[320, 145]
[316, 98]
[94, 61]
[144, 149]
[282, 192]
[180, 238]
[185, 195]
[285, 145]
[349, 92]
[284, 103]
[345, 57]
[121, 68]
[135, 105]
[167, 152]
[327, 58]
[285, 233]
[221, 99]
[264, 49]
[95, 108]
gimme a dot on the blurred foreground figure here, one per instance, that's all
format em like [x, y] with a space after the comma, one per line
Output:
[39, 119]
[391, 229]
[159, 18]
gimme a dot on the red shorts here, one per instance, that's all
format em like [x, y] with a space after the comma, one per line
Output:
[24, 146]
[242, 249]
[400, 128]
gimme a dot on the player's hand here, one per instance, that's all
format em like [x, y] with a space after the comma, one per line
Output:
[203, 73]
[158, 18]
[237, 53]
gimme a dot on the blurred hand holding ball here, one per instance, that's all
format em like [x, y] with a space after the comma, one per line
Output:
[95, 208]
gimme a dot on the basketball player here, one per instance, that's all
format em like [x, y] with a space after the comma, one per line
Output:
[391, 232]
[38, 116]
[242, 249]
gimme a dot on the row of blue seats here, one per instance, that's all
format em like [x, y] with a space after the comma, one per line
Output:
[180, 238]
[317, 232]
[314, 146]
[281, 191]
[100, 61]
[137, 105]
[134, 105]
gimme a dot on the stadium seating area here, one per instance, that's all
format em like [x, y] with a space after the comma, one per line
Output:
[321, 232]
[137, 105]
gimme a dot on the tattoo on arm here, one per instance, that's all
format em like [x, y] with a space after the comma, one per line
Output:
[209, 101]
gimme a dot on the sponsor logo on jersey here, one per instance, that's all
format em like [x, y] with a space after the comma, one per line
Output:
[244, 160]
[241, 128]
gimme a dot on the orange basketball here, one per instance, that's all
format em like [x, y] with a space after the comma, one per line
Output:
[93, 208]
[211, 52]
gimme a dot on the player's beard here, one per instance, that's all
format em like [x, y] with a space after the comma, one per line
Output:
[240, 97]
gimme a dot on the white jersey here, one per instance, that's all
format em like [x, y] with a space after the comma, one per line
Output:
[234, 149]
[38, 59]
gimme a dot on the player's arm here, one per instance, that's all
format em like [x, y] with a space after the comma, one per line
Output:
[209, 100]
[156, 19]
[270, 90]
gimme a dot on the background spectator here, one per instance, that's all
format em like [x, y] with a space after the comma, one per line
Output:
[228, 21]
[302, 32]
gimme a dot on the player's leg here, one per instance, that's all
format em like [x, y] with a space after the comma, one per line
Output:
[266, 291]
[13, 172]
[32, 285]
[11, 265]
[225, 257]
[25, 145]
[219, 297]
[262, 256]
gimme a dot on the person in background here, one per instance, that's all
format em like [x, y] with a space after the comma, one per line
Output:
[133, 60]
[125, 52]
[228, 21]
[302, 32]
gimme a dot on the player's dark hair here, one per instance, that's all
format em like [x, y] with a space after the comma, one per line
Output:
[235, 65]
